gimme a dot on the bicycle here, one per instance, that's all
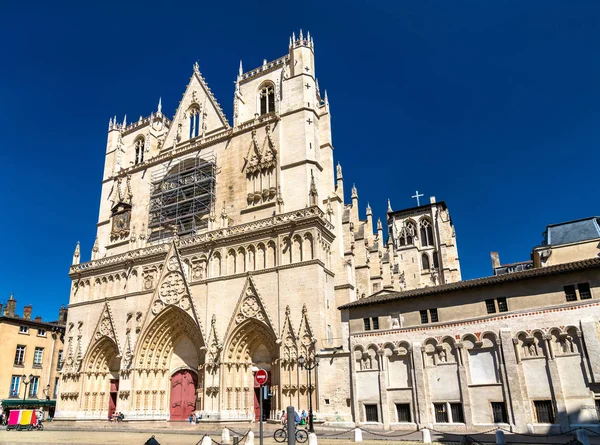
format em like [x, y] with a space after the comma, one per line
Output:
[281, 435]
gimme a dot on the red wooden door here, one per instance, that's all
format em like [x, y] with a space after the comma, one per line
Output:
[112, 399]
[183, 394]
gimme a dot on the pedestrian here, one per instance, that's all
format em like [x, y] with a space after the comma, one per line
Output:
[303, 417]
[283, 417]
[191, 419]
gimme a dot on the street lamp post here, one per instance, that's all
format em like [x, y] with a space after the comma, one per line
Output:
[26, 383]
[309, 368]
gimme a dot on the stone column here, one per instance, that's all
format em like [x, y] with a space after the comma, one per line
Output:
[518, 404]
[420, 389]
[464, 386]
[556, 386]
[353, 394]
[383, 395]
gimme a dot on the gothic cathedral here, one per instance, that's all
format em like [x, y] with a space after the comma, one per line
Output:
[225, 248]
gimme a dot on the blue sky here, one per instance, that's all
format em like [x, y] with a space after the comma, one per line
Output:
[493, 107]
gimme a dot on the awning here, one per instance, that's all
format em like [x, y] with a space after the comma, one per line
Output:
[30, 403]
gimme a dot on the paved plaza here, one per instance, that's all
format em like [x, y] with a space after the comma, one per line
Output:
[94, 433]
[82, 437]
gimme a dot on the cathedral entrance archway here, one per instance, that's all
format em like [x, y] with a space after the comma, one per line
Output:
[101, 376]
[183, 394]
[252, 346]
[168, 356]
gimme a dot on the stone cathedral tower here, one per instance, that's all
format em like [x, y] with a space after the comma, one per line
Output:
[221, 248]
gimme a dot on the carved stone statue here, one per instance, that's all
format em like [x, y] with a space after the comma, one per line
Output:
[442, 355]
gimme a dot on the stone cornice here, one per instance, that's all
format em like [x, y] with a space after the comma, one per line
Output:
[344, 286]
[305, 161]
[284, 223]
[279, 223]
[263, 69]
[113, 298]
[441, 326]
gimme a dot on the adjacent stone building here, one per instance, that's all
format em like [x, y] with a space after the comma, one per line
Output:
[519, 348]
[31, 354]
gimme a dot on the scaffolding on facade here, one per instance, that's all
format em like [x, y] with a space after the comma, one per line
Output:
[182, 196]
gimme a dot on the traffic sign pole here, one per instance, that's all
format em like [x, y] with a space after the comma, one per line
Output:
[261, 415]
[261, 378]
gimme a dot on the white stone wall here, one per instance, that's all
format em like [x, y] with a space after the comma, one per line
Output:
[486, 360]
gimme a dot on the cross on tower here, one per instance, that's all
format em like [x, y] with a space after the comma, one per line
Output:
[310, 122]
[307, 86]
[417, 195]
[307, 69]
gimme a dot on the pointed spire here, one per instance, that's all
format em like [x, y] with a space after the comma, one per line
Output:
[125, 121]
[95, 249]
[389, 210]
[369, 211]
[224, 218]
[326, 99]
[110, 124]
[76, 254]
[294, 36]
[354, 192]
[313, 195]
[290, 45]
[312, 42]
[133, 237]
[301, 36]
[159, 109]
[196, 68]
[279, 200]
[308, 36]
[379, 225]
[241, 69]
[12, 297]
[339, 171]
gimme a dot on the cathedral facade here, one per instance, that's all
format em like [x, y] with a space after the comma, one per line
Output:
[223, 248]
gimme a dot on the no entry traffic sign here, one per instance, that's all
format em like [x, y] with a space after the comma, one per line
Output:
[261, 377]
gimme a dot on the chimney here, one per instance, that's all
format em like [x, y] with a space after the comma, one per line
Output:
[27, 312]
[11, 305]
[432, 200]
[495, 260]
[62, 315]
[38, 318]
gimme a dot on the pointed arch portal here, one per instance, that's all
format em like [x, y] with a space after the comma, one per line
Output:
[172, 348]
[252, 346]
[101, 378]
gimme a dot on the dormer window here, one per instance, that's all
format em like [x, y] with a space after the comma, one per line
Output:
[139, 151]
[267, 99]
